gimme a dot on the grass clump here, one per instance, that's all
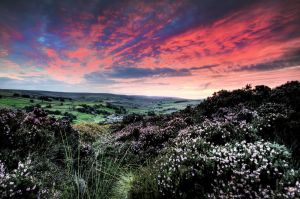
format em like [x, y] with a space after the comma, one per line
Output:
[122, 188]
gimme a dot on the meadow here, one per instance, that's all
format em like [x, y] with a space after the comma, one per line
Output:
[243, 143]
[104, 108]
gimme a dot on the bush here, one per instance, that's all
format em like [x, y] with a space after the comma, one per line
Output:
[25, 96]
[48, 140]
[239, 170]
[56, 112]
[18, 128]
[18, 183]
[186, 172]
[131, 118]
[254, 170]
[45, 98]
[146, 137]
[30, 108]
[90, 132]
[69, 116]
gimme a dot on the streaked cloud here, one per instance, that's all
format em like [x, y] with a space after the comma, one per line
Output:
[176, 45]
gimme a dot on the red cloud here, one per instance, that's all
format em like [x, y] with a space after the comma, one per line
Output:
[247, 36]
[129, 36]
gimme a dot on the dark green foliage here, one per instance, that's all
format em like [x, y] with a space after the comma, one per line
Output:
[151, 113]
[56, 112]
[288, 94]
[25, 96]
[69, 116]
[45, 98]
[91, 109]
[30, 108]
[16, 95]
[120, 110]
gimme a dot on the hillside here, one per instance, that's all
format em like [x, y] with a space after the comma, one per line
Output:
[243, 143]
[91, 107]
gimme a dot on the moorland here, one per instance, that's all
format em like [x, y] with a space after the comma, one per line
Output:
[243, 143]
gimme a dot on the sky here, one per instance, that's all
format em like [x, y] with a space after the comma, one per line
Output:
[180, 48]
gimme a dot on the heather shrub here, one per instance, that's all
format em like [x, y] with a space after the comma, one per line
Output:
[198, 169]
[253, 170]
[229, 126]
[186, 171]
[131, 118]
[288, 94]
[45, 141]
[46, 136]
[24, 182]
[146, 137]
[18, 182]
[277, 122]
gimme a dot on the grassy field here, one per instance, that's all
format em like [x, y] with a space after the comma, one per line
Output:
[102, 107]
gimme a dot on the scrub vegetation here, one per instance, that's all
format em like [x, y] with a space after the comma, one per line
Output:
[243, 143]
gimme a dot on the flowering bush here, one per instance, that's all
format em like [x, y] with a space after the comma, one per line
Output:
[18, 183]
[228, 125]
[239, 170]
[18, 129]
[186, 171]
[253, 170]
[25, 182]
[44, 140]
[147, 137]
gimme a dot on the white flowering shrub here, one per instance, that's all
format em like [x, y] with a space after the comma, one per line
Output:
[270, 116]
[253, 170]
[219, 132]
[184, 171]
[18, 183]
[23, 182]
[239, 170]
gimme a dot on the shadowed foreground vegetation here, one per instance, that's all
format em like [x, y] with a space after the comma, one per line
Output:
[235, 144]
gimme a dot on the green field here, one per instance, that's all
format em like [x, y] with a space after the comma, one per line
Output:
[104, 107]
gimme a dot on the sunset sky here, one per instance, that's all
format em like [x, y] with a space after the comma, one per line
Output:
[182, 48]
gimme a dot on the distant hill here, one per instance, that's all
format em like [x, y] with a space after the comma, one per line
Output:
[92, 107]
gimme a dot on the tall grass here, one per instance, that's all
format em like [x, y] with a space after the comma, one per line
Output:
[91, 177]
[123, 188]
